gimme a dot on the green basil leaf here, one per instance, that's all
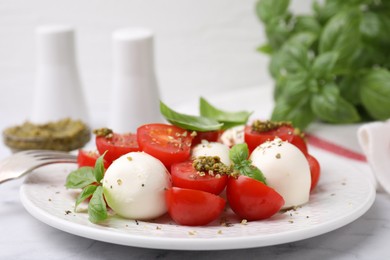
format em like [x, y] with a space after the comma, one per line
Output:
[85, 194]
[252, 172]
[342, 34]
[97, 208]
[189, 122]
[98, 171]
[239, 153]
[268, 9]
[265, 48]
[329, 106]
[324, 64]
[375, 93]
[295, 87]
[292, 58]
[349, 86]
[80, 178]
[229, 119]
[306, 23]
[278, 30]
[298, 113]
[371, 26]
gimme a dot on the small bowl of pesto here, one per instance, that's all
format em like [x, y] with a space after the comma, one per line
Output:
[62, 135]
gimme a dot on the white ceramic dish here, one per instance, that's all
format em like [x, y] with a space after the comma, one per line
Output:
[344, 194]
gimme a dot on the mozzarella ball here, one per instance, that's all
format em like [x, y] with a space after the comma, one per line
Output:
[212, 149]
[234, 135]
[286, 170]
[134, 186]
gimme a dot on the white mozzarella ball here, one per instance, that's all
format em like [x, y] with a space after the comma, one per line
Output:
[134, 186]
[212, 149]
[286, 170]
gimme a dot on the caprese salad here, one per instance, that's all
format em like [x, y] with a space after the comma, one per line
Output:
[194, 167]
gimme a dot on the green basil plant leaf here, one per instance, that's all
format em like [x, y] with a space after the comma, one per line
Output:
[298, 113]
[342, 35]
[324, 64]
[375, 93]
[229, 119]
[328, 105]
[80, 178]
[98, 170]
[268, 9]
[189, 122]
[85, 194]
[97, 208]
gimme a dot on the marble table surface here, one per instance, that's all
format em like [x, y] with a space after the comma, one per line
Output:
[24, 237]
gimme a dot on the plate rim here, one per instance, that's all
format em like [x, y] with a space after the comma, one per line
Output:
[193, 243]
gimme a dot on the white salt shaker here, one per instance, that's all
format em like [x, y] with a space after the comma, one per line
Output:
[135, 95]
[58, 92]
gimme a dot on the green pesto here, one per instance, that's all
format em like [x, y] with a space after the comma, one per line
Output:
[62, 135]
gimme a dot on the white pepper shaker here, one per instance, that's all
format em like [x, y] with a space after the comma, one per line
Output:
[135, 94]
[58, 91]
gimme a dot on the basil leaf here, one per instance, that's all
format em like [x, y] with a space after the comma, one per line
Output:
[98, 171]
[375, 93]
[266, 48]
[239, 153]
[189, 122]
[229, 119]
[349, 86]
[342, 34]
[299, 113]
[306, 23]
[324, 64]
[97, 209]
[80, 178]
[85, 194]
[278, 31]
[370, 26]
[252, 172]
[329, 106]
[305, 39]
[295, 87]
[268, 9]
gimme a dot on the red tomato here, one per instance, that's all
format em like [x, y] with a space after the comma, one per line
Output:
[117, 145]
[286, 133]
[88, 158]
[315, 171]
[251, 199]
[211, 136]
[184, 175]
[193, 207]
[170, 144]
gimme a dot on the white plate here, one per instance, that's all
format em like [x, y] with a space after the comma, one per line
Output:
[344, 193]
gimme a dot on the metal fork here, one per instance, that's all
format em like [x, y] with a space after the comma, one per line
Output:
[21, 163]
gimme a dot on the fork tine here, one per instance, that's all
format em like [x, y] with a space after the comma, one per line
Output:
[23, 162]
[46, 155]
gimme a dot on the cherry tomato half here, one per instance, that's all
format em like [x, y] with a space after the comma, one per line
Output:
[170, 144]
[193, 207]
[315, 170]
[184, 175]
[88, 158]
[211, 136]
[251, 199]
[117, 145]
[286, 133]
